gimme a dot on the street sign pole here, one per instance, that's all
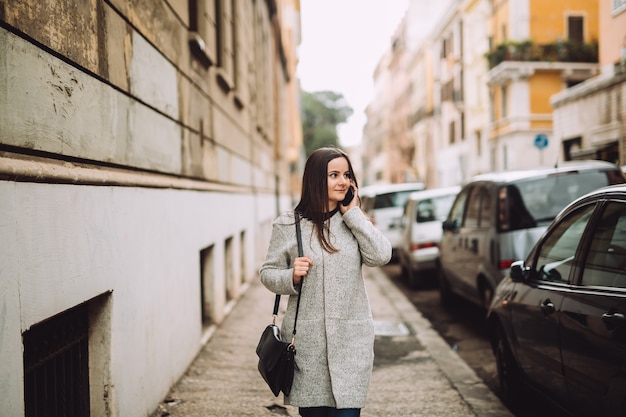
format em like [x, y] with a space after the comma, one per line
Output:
[541, 142]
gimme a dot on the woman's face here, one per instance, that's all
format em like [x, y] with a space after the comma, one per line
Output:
[338, 180]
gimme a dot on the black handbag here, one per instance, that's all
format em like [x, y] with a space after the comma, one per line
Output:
[277, 357]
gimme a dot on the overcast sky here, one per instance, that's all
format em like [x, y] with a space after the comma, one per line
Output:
[342, 41]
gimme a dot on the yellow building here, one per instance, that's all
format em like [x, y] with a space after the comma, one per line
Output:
[590, 118]
[537, 48]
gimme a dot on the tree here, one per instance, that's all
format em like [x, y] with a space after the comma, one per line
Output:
[322, 112]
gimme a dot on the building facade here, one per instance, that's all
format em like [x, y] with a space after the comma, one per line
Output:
[497, 85]
[537, 49]
[590, 118]
[451, 153]
[145, 148]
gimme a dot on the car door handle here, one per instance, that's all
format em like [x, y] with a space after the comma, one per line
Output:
[613, 318]
[547, 307]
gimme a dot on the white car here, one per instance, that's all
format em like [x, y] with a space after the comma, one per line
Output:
[384, 204]
[424, 213]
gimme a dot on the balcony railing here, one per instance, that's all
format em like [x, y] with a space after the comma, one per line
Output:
[558, 51]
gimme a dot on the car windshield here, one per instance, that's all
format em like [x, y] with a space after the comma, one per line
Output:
[544, 198]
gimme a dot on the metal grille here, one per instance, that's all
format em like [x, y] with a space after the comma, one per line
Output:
[56, 366]
[388, 328]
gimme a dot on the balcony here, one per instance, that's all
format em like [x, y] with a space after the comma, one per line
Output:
[528, 51]
[576, 62]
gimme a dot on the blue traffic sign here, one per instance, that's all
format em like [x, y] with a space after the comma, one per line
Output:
[541, 141]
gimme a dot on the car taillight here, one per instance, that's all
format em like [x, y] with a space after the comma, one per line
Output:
[417, 246]
[506, 263]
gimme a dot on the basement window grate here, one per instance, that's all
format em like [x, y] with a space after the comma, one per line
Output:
[56, 366]
[387, 328]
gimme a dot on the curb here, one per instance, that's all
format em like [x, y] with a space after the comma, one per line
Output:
[482, 401]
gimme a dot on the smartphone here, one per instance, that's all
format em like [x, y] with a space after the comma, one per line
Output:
[349, 197]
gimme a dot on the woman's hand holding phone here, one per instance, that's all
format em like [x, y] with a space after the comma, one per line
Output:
[350, 200]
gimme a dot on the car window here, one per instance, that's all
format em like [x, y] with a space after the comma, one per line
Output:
[472, 218]
[395, 199]
[512, 211]
[456, 213]
[432, 209]
[556, 255]
[606, 259]
[486, 209]
[546, 197]
[425, 211]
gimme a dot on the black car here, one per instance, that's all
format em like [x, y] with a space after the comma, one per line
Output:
[557, 321]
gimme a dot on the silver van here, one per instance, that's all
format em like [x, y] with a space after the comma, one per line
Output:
[497, 218]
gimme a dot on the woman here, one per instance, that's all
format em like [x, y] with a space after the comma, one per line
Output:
[335, 331]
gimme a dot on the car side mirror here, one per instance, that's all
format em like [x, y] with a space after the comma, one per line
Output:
[518, 271]
[449, 225]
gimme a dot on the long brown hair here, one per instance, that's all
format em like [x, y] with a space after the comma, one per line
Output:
[314, 204]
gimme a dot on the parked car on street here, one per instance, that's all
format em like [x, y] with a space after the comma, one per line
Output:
[497, 218]
[418, 251]
[384, 204]
[558, 320]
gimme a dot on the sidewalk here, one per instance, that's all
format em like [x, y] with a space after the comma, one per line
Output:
[415, 372]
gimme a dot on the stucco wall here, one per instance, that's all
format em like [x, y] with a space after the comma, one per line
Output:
[122, 159]
[61, 245]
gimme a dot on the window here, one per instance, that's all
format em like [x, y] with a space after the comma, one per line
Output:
[395, 199]
[472, 219]
[456, 214]
[570, 147]
[486, 210]
[462, 123]
[425, 211]
[606, 260]
[512, 211]
[263, 98]
[225, 43]
[446, 47]
[504, 104]
[618, 6]
[56, 365]
[452, 132]
[201, 26]
[433, 209]
[207, 278]
[575, 29]
[556, 255]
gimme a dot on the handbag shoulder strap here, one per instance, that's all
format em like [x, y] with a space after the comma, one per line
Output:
[300, 253]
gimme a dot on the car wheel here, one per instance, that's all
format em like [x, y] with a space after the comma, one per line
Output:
[411, 276]
[509, 376]
[405, 272]
[445, 293]
[486, 295]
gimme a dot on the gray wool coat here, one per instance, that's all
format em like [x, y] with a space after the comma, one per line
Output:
[335, 329]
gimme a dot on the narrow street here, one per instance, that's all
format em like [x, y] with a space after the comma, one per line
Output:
[463, 329]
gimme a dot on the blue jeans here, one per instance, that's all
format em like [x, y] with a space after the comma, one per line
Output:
[329, 412]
